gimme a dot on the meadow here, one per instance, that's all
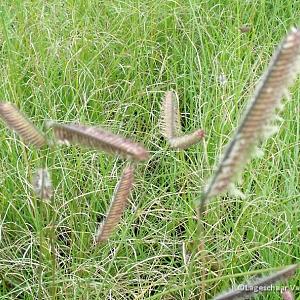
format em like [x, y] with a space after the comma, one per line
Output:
[109, 63]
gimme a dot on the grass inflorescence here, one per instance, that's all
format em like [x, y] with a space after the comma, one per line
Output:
[109, 64]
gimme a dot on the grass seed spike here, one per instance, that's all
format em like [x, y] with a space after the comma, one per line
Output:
[98, 138]
[170, 117]
[42, 184]
[118, 204]
[21, 125]
[254, 125]
[171, 126]
[184, 141]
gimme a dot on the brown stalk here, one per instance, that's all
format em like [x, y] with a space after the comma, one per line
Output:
[98, 138]
[117, 206]
[21, 125]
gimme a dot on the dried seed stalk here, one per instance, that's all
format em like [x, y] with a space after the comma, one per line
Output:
[170, 117]
[42, 184]
[251, 289]
[117, 206]
[17, 121]
[280, 73]
[183, 142]
[98, 138]
[171, 127]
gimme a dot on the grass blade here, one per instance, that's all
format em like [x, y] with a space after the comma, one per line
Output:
[253, 127]
[21, 125]
[118, 204]
[98, 138]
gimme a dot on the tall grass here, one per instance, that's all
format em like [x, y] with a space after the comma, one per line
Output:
[110, 63]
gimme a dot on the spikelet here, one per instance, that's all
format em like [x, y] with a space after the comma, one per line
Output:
[98, 138]
[170, 117]
[171, 127]
[42, 184]
[184, 141]
[117, 206]
[248, 290]
[280, 73]
[17, 121]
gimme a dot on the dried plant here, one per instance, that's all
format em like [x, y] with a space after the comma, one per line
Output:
[19, 123]
[170, 116]
[171, 127]
[42, 184]
[187, 140]
[248, 290]
[98, 138]
[255, 123]
[118, 204]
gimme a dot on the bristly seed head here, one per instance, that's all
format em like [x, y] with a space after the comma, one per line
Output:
[17, 121]
[170, 116]
[254, 125]
[171, 127]
[99, 138]
[187, 140]
[42, 184]
[287, 295]
[118, 204]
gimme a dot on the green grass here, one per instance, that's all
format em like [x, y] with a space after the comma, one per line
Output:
[109, 63]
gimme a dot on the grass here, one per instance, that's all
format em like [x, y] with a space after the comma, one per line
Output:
[110, 63]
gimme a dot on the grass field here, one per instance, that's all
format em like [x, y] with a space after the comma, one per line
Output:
[110, 63]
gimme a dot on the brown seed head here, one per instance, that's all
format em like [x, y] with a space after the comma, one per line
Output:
[98, 138]
[117, 206]
[21, 125]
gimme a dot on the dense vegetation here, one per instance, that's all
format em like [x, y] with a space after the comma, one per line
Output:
[110, 63]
